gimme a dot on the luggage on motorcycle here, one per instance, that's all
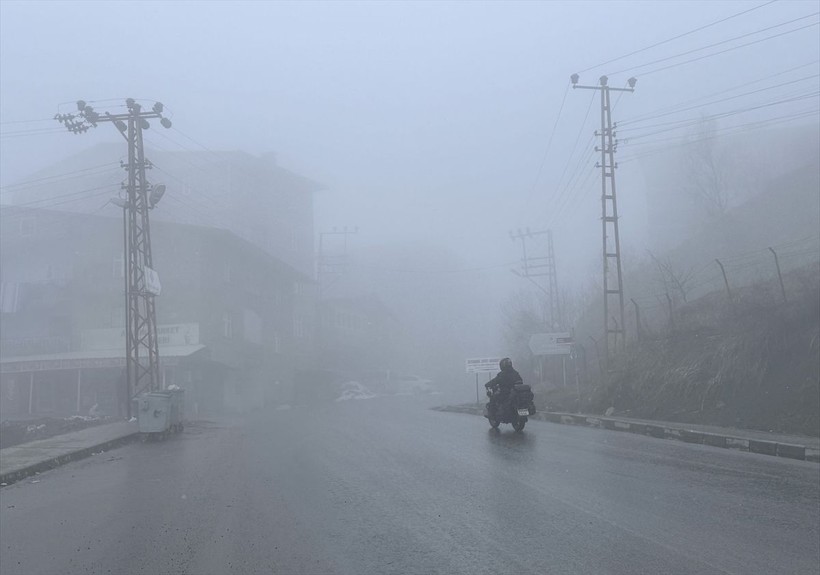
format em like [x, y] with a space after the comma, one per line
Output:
[526, 398]
[523, 393]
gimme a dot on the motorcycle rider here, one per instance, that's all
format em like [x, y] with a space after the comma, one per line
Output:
[503, 383]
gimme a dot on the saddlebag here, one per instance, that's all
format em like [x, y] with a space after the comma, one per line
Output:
[523, 394]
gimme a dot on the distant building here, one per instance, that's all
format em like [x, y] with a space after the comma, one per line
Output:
[234, 321]
[361, 334]
[252, 197]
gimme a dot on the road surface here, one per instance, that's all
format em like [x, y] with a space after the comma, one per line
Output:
[385, 486]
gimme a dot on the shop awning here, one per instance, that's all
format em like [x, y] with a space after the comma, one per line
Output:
[106, 358]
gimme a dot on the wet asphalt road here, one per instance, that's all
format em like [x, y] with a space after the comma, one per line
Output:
[388, 486]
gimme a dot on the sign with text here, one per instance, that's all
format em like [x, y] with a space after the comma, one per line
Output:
[114, 337]
[482, 364]
[551, 343]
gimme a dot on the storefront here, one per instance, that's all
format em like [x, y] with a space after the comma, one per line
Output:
[80, 382]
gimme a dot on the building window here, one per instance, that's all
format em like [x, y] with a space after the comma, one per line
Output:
[298, 328]
[227, 324]
[297, 288]
[118, 268]
[27, 226]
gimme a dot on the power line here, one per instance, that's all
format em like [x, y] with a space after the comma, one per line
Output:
[728, 130]
[577, 139]
[643, 74]
[64, 176]
[685, 123]
[547, 149]
[677, 111]
[655, 45]
[719, 115]
[33, 132]
[750, 126]
[676, 107]
[26, 121]
[566, 193]
[216, 203]
[570, 202]
[217, 155]
[692, 51]
[72, 197]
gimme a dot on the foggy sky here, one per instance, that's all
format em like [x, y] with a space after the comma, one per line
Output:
[423, 120]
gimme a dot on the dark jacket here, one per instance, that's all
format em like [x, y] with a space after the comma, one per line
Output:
[504, 381]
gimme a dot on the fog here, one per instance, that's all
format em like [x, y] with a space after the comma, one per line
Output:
[341, 286]
[434, 128]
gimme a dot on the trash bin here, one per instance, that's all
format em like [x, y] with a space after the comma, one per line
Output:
[154, 413]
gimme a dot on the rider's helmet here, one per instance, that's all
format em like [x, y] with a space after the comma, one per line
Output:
[505, 364]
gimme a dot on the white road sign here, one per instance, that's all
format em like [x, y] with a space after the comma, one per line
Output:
[482, 364]
[551, 343]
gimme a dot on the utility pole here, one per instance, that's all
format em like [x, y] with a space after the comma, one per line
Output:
[142, 348]
[611, 240]
[538, 267]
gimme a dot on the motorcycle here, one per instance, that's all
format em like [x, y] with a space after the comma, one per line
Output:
[515, 410]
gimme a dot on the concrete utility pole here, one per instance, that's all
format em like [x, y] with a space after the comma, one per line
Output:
[541, 267]
[613, 274]
[142, 281]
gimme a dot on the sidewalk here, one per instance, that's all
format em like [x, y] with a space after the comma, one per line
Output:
[20, 461]
[776, 444]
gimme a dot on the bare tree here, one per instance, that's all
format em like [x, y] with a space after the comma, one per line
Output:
[521, 319]
[707, 173]
[672, 278]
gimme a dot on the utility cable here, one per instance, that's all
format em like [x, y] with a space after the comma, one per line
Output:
[679, 36]
[644, 74]
[692, 51]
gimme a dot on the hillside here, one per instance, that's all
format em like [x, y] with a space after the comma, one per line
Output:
[753, 365]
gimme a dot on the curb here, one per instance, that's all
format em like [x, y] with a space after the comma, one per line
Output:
[46, 464]
[661, 431]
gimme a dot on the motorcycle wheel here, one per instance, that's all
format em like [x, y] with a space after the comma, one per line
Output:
[519, 424]
[494, 423]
